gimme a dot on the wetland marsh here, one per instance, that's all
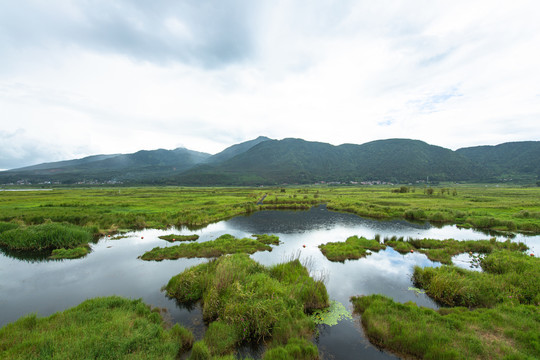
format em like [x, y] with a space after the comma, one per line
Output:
[113, 267]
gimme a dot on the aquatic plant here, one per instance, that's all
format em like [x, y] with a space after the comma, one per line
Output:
[331, 316]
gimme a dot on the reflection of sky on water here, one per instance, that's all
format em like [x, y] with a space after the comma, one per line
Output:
[114, 269]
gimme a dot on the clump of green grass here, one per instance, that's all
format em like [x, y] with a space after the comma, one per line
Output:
[400, 246]
[74, 253]
[45, 236]
[353, 248]
[200, 351]
[297, 349]
[508, 277]
[225, 244]
[104, 328]
[175, 237]
[5, 226]
[506, 331]
[243, 300]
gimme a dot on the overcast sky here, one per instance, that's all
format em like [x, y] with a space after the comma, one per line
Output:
[79, 78]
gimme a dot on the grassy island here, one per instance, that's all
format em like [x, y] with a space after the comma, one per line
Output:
[225, 244]
[175, 237]
[353, 248]
[74, 253]
[66, 241]
[100, 328]
[243, 300]
[443, 250]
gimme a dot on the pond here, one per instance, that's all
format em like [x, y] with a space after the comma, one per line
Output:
[113, 268]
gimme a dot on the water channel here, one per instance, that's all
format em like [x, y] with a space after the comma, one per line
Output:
[31, 285]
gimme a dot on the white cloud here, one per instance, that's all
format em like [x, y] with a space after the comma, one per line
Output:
[85, 78]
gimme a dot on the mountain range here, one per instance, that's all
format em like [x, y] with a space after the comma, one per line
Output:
[264, 161]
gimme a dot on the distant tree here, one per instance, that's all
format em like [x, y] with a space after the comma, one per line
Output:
[429, 191]
[402, 190]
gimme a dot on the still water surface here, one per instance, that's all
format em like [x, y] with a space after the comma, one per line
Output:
[113, 268]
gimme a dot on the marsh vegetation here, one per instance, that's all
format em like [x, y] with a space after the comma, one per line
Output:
[504, 294]
[100, 328]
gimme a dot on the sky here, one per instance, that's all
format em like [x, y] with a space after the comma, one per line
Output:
[80, 78]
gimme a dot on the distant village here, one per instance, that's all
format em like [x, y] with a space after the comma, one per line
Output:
[117, 182]
[84, 182]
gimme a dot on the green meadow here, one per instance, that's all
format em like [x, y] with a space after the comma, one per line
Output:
[111, 209]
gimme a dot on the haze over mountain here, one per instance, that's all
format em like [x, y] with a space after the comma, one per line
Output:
[264, 161]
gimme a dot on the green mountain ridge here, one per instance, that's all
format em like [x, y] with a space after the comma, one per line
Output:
[265, 161]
